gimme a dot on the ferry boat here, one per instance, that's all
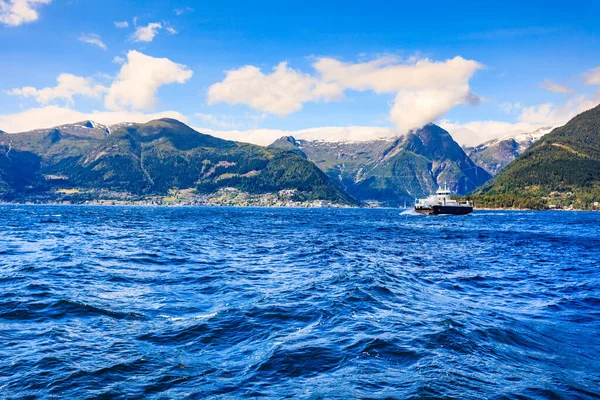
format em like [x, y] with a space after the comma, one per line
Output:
[441, 203]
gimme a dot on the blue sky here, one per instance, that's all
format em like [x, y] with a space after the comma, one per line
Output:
[521, 52]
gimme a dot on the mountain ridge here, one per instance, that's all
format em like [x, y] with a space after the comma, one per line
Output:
[152, 158]
[392, 171]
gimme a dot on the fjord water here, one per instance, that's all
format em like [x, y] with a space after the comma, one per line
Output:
[141, 302]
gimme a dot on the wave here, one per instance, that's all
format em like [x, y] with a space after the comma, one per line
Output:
[233, 303]
[187, 318]
[61, 309]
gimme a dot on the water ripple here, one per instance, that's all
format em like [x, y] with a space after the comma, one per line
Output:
[155, 303]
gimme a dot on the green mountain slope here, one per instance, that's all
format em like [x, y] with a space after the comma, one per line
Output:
[24, 156]
[392, 172]
[563, 167]
[18, 170]
[57, 143]
[161, 155]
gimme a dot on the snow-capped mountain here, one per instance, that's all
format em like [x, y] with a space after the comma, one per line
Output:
[392, 171]
[524, 140]
[114, 127]
[496, 154]
[83, 129]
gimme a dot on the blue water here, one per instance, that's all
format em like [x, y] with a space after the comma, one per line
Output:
[157, 303]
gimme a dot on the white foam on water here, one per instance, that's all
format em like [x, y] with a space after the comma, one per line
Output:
[206, 316]
[409, 211]
[201, 316]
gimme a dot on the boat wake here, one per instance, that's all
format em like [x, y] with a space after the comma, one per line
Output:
[409, 211]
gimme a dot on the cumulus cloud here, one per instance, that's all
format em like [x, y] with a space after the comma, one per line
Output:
[146, 33]
[135, 87]
[555, 87]
[592, 77]
[68, 86]
[415, 108]
[49, 116]
[281, 92]
[121, 24]
[18, 12]
[424, 90]
[93, 39]
[387, 75]
[139, 79]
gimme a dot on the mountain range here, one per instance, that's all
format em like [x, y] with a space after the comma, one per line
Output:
[155, 158]
[151, 158]
[394, 171]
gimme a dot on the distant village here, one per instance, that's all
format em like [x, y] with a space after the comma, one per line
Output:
[231, 197]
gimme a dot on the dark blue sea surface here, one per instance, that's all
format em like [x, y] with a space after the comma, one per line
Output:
[157, 303]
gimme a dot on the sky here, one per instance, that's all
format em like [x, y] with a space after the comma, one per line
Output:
[335, 70]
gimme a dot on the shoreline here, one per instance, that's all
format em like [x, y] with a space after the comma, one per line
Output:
[331, 206]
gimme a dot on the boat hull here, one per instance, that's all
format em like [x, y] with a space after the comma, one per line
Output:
[445, 210]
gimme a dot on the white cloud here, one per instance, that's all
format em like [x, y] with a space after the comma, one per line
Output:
[530, 119]
[555, 87]
[265, 137]
[281, 92]
[46, 117]
[424, 90]
[552, 114]
[139, 79]
[135, 87]
[592, 77]
[18, 12]
[387, 75]
[93, 39]
[146, 33]
[67, 87]
[121, 24]
[415, 108]
[171, 30]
